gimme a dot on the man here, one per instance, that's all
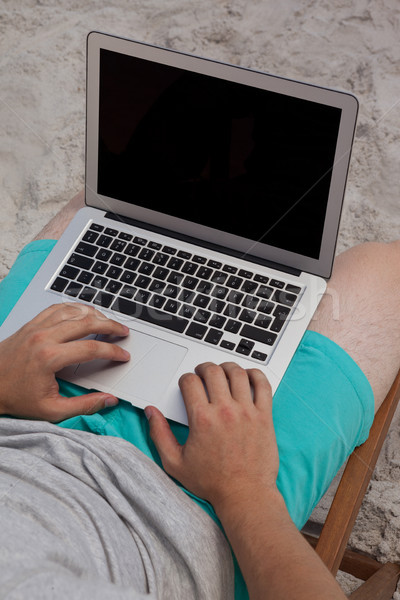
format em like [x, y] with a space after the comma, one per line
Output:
[84, 514]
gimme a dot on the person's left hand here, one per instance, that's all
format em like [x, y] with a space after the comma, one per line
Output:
[31, 357]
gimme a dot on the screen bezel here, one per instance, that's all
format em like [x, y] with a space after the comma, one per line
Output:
[348, 104]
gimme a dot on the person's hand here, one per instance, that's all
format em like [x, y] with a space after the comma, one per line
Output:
[31, 357]
[231, 449]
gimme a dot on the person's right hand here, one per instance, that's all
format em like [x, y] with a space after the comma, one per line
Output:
[31, 357]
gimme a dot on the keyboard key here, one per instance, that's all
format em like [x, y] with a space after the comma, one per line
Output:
[69, 272]
[139, 240]
[199, 259]
[187, 311]
[214, 264]
[217, 321]
[201, 301]
[294, 289]
[284, 297]
[128, 277]
[263, 321]
[160, 259]
[125, 236]
[103, 299]
[247, 316]
[132, 250]
[232, 326]
[172, 306]
[150, 314]
[227, 345]
[229, 269]
[87, 294]
[113, 287]
[170, 250]
[59, 284]
[259, 356]
[264, 291]
[258, 335]
[118, 245]
[85, 277]
[190, 282]
[234, 282]
[128, 291]
[103, 255]
[90, 236]
[99, 282]
[104, 241]
[189, 268]
[244, 347]
[100, 267]
[154, 245]
[142, 296]
[175, 263]
[146, 254]
[86, 249]
[114, 272]
[219, 292]
[118, 259]
[82, 262]
[196, 330]
[160, 273]
[109, 231]
[202, 316]
[96, 227]
[184, 255]
[245, 274]
[276, 283]
[249, 287]
[73, 289]
[214, 336]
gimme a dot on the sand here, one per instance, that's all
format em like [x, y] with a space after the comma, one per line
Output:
[353, 46]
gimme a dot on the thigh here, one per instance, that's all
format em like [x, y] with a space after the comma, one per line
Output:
[360, 311]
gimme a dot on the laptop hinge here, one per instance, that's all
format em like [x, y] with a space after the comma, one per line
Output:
[202, 243]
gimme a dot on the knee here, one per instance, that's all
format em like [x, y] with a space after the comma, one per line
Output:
[375, 260]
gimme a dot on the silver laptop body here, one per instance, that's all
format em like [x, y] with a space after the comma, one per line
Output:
[213, 201]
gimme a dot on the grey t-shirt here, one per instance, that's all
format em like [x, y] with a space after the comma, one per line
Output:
[85, 516]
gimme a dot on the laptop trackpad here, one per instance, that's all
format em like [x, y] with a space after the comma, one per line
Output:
[146, 376]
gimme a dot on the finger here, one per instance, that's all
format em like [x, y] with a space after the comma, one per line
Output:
[193, 393]
[239, 382]
[85, 350]
[87, 404]
[168, 448]
[215, 380]
[262, 389]
[66, 311]
[68, 330]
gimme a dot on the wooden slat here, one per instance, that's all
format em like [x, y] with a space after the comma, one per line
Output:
[381, 586]
[339, 523]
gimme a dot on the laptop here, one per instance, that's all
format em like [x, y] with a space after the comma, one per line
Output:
[213, 201]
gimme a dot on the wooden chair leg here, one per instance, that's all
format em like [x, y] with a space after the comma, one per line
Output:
[381, 586]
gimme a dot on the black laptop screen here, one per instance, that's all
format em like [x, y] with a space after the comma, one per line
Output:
[251, 162]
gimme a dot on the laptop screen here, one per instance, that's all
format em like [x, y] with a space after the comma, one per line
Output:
[248, 161]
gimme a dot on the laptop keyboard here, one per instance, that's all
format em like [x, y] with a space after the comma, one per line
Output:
[238, 310]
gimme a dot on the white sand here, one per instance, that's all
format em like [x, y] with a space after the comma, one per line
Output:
[348, 45]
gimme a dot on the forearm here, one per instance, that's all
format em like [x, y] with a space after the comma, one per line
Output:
[277, 563]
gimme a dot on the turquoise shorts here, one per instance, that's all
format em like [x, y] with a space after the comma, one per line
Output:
[322, 410]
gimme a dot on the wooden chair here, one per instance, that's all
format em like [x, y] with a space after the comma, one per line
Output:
[380, 580]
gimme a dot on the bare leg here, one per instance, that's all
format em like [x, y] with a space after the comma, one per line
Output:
[361, 311]
[59, 222]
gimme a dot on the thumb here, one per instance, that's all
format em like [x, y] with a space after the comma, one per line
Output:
[86, 404]
[164, 440]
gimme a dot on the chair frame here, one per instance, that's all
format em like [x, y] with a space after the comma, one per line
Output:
[380, 580]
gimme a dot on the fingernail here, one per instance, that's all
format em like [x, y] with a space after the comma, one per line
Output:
[126, 354]
[148, 411]
[110, 401]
